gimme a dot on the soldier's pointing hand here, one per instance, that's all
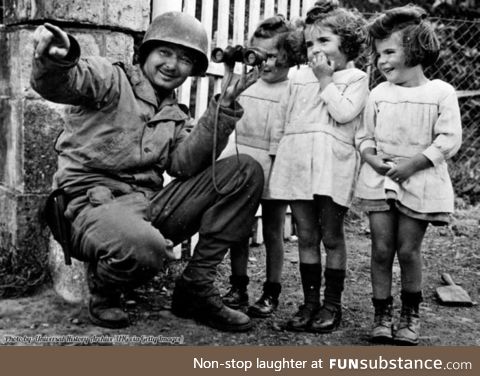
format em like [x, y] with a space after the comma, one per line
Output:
[50, 40]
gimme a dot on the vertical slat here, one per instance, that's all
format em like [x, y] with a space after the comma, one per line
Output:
[189, 6]
[282, 7]
[217, 85]
[253, 16]
[238, 27]
[307, 4]
[294, 9]
[220, 36]
[202, 83]
[162, 6]
[239, 22]
[223, 21]
[269, 8]
[184, 91]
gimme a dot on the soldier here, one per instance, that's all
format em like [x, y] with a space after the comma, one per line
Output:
[123, 131]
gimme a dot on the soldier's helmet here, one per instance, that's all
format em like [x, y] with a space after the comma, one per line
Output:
[178, 28]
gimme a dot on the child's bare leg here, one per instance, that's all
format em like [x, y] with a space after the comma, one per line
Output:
[237, 296]
[383, 228]
[409, 242]
[273, 217]
[239, 258]
[308, 232]
[332, 218]
[331, 224]
[307, 225]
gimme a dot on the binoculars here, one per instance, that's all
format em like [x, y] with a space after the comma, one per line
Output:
[232, 54]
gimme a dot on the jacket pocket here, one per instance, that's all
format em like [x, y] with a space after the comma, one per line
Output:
[99, 195]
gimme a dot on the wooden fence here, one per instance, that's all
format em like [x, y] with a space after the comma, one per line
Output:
[226, 22]
[230, 22]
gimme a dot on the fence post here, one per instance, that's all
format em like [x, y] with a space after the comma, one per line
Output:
[307, 4]
[162, 6]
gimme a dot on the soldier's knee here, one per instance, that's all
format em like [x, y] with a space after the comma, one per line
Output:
[252, 169]
[149, 254]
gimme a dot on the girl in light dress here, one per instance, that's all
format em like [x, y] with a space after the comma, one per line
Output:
[254, 137]
[317, 163]
[411, 127]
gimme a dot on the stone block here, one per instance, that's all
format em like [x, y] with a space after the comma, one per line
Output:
[69, 281]
[15, 75]
[8, 216]
[11, 113]
[4, 58]
[28, 131]
[133, 15]
[113, 45]
[119, 47]
[20, 226]
[42, 123]
[31, 234]
[23, 243]
[5, 112]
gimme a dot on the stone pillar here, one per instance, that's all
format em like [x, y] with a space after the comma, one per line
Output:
[29, 125]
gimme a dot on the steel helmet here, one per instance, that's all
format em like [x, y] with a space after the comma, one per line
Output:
[178, 28]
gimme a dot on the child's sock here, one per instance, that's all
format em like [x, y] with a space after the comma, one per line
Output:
[334, 283]
[382, 304]
[272, 289]
[311, 275]
[411, 300]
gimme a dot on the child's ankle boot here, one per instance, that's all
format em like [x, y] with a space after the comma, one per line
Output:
[382, 321]
[330, 315]
[237, 296]
[268, 302]
[311, 275]
[408, 328]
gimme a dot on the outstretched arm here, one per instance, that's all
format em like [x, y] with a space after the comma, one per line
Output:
[59, 75]
[50, 40]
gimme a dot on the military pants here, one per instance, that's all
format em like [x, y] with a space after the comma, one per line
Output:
[124, 236]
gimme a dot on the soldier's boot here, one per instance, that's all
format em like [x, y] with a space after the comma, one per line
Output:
[104, 307]
[207, 307]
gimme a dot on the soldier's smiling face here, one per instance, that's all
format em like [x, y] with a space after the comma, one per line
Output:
[168, 65]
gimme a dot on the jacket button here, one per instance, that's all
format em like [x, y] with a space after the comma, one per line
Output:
[147, 150]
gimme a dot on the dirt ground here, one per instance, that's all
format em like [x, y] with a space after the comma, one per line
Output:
[454, 250]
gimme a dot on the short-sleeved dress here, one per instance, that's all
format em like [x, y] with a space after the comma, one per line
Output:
[401, 122]
[316, 154]
[253, 132]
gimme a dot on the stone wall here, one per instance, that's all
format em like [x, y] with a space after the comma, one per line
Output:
[29, 125]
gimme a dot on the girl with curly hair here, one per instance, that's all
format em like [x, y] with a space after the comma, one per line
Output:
[253, 137]
[411, 127]
[317, 163]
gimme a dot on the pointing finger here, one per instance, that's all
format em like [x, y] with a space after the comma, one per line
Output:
[43, 40]
[56, 31]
